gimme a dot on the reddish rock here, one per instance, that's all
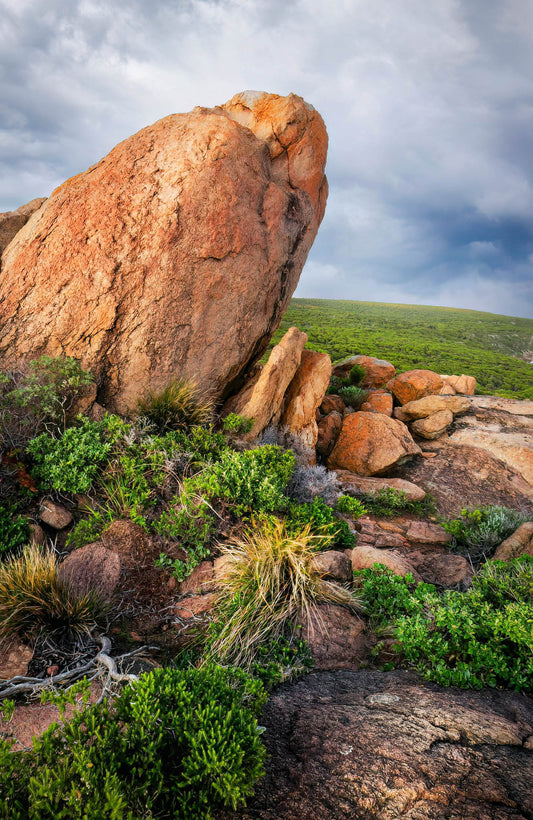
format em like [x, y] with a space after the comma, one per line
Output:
[304, 395]
[443, 569]
[390, 540]
[433, 426]
[176, 254]
[365, 558]
[195, 606]
[463, 385]
[14, 659]
[355, 485]
[335, 636]
[519, 543]
[331, 403]
[328, 429]
[333, 566]
[37, 535]
[92, 568]
[126, 538]
[423, 532]
[415, 384]
[427, 406]
[200, 580]
[55, 515]
[378, 402]
[377, 371]
[12, 221]
[371, 443]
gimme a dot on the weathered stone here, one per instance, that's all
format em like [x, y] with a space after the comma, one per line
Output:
[463, 385]
[262, 400]
[12, 221]
[378, 401]
[447, 389]
[200, 580]
[519, 543]
[514, 449]
[37, 535]
[427, 406]
[55, 515]
[195, 606]
[328, 430]
[423, 532]
[14, 659]
[433, 426]
[414, 384]
[331, 403]
[365, 557]
[390, 540]
[371, 443]
[92, 568]
[377, 371]
[333, 565]
[176, 254]
[443, 569]
[335, 636]
[495, 403]
[304, 395]
[355, 485]
[126, 538]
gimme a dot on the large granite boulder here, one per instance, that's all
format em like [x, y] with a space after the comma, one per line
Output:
[174, 256]
[371, 443]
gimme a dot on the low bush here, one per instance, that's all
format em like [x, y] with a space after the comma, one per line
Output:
[389, 502]
[190, 521]
[179, 406]
[349, 505]
[353, 396]
[233, 423]
[176, 743]
[322, 522]
[282, 659]
[269, 583]
[385, 597]
[477, 532]
[14, 529]
[33, 598]
[69, 464]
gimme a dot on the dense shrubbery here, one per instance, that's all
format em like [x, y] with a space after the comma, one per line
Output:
[322, 521]
[477, 532]
[390, 502]
[176, 743]
[14, 529]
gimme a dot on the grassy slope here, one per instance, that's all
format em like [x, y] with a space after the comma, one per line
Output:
[447, 340]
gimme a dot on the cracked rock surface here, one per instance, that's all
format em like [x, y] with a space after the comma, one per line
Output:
[345, 745]
[176, 254]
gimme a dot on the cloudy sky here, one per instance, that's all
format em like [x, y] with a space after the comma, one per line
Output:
[428, 105]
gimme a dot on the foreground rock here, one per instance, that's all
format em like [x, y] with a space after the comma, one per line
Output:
[377, 371]
[176, 254]
[415, 384]
[355, 485]
[371, 443]
[351, 745]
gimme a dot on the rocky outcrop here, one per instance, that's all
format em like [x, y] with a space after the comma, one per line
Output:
[365, 557]
[433, 426]
[347, 745]
[415, 384]
[463, 385]
[174, 256]
[12, 221]
[305, 394]
[427, 406]
[377, 371]
[371, 443]
[355, 485]
[378, 402]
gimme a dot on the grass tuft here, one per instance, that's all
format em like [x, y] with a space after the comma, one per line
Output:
[180, 405]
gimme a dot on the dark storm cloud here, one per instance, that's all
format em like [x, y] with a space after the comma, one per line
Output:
[429, 108]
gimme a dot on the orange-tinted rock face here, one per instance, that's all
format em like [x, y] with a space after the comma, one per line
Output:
[176, 254]
[371, 443]
[377, 371]
[378, 402]
[415, 384]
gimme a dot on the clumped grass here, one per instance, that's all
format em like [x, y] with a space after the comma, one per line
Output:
[269, 582]
[180, 405]
[32, 598]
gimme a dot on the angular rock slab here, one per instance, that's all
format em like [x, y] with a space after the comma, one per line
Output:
[174, 256]
[305, 394]
[415, 384]
[371, 443]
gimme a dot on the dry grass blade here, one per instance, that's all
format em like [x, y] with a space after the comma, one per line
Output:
[269, 582]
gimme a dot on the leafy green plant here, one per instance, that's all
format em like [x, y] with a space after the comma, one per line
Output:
[14, 529]
[233, 423]
[70, 463]
[176, 743]
[180, 405]
[87, 530]
[282, 659]
[32, 598]
[39, 397]
[190, 521]
[353, 396]
[269, 581]
[479, 531]
[322, 522]
[386, 597]
[389, 502]
[349, 505]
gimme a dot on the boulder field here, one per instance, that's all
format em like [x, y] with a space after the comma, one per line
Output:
[174, 256]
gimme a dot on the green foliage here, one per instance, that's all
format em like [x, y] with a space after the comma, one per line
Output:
[87, 530]
[389, 502]
[39, 397]
[233, 423]
[70, 463]
[322, 522]
[445, 340]
[14, 529]
[357, 374]
[386, 596]
[178, 406]
[190, 521]
[32, 598]
[349, 505]
[353, 396]
[176, 743]
[282, 659]
[251, 481]
[479, 531]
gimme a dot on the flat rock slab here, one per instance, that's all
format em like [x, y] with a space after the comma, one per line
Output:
[345, 745]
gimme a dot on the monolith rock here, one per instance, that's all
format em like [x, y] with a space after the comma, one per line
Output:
[174, 256]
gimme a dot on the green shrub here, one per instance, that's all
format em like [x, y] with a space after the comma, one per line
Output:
[479, 531]
[349, 505]
[176, 743]
[190, 521]
[39, 397]
[233, 423]
[353, 396]
[180, 405]
[322, 521]
[14, 529]
[87, 530]
[251, 481]
[70, 463]
[386, 597]
[389, 502]
[282, 659]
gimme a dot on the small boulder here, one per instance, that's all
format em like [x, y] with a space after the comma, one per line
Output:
[355, 485]
[331, 403]
[463, 385]
[14, 659]
[333, 566]
[422, 408]
[443, 569]
[390, 540]
[519, 543]
[423, 532]
[335, 636]
[377, 371]
[329, 428]
[200, 580]
[365, 557]
[92, 568]
[304, 395]
[433, 426]
[55, 515]
[195, 606]
[378, 401]
[371, 443]
[415, 384]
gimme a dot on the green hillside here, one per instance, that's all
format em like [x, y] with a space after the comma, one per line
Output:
[447, 340]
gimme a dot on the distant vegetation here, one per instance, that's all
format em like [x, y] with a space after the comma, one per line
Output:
[446, 340]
